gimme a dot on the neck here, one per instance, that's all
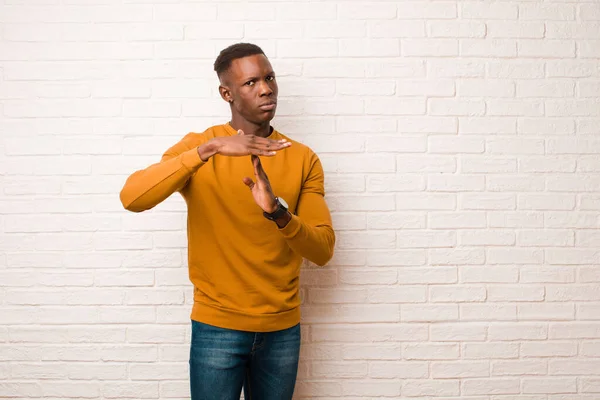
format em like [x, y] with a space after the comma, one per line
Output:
[250, 128]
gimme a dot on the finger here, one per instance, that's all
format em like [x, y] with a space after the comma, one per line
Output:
[248, 182]
[258, 151]
[256, 165]
[240, 132]
[268, 147]
[260, 171]
[271, 141]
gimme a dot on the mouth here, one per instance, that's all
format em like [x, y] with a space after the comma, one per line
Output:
[268, 106]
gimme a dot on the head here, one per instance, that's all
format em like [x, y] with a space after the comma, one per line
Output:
[247, 82]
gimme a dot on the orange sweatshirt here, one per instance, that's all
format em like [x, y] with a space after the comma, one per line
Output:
[245, 270]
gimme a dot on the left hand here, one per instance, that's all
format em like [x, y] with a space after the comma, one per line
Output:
[261, 190]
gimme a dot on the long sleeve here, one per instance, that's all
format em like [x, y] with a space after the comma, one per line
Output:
[310, 232]
[148, 187]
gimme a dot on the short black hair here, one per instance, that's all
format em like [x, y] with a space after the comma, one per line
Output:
[233, 52]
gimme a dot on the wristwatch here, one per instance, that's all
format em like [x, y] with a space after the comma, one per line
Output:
[282, 208]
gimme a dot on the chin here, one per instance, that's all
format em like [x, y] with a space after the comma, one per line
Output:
[266, 116]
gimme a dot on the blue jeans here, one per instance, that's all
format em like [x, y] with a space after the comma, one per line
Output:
[222, 361]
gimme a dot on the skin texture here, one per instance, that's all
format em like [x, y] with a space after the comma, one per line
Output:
[247, 85]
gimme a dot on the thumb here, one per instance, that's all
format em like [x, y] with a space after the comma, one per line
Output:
[240, 132]
[248, 182]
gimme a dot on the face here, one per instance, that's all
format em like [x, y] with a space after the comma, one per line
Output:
[250, 83]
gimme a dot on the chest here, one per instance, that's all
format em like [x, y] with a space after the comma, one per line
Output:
[221, 180]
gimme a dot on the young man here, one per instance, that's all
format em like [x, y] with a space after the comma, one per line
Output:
[246, 237]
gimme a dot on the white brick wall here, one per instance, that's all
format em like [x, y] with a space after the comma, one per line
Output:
[460, 141]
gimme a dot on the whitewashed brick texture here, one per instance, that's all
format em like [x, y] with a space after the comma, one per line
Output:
[461, 144]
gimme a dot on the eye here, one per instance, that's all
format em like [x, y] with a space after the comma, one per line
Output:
[270, 78]
[249, 83]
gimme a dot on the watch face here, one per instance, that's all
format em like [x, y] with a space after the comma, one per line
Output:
[283, 203]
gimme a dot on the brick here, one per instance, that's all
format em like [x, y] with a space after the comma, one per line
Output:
[431, 351]
[130, 389]
[451, 332]
[496, 48]
[328, 29]
[367, 388]
[389, 29]
[490, 237]
[456, 68]
[431, 201]
[517, 30]
[307, 48]
[466, 107]
[369, 277]
[395, 69]
[396, 257]
[408, 294]
[512, 69]
[548, 349]
[425, 239]
[395, 106]
[430, 10]
[453, 29]
[434, 275]
[536, 274]
[455, 220]
[517, 331]
[486, 88]
[307, 11]
[362, 11]
[476, 10]
[554, 238]
[487, 312]
[547, 12]
[572, 69]
[402, 370]
[369, 333]
[426, 87]
[429, 47]
[460, 369]
[495, 350]
[589, 12]
[429, 387]
[378, 351]
[428, 313]
[457, 294]
[546, 312]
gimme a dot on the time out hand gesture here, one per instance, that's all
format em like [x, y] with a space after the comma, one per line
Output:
[241, 145]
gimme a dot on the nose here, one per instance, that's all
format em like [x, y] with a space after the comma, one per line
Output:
[265, 89]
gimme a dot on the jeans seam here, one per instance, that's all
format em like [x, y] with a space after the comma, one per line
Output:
[248, 383]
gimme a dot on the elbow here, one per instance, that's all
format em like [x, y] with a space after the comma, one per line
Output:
[128, 202]
[327, 254]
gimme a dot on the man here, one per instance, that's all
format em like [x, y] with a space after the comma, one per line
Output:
[246, 237]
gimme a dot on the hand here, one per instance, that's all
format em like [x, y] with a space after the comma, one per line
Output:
[261, 190]
[242, 145]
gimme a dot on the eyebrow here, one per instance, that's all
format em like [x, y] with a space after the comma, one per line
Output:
[253, 78]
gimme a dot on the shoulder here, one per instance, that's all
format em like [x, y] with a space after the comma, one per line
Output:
[300, 149]
[194, 139]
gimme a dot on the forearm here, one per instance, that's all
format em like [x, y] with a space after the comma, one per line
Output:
[146, 188]
[315, 243]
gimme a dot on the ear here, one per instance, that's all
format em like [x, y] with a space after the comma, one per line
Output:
[225, 93]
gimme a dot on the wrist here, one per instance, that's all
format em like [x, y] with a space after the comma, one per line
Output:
[283, 220]
[208, 149]
[272, 207]
[279, 212]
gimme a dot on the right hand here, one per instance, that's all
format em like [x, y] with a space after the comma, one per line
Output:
[242, 145]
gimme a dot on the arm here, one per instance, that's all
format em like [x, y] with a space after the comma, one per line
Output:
[146, 188]
[310, 232]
